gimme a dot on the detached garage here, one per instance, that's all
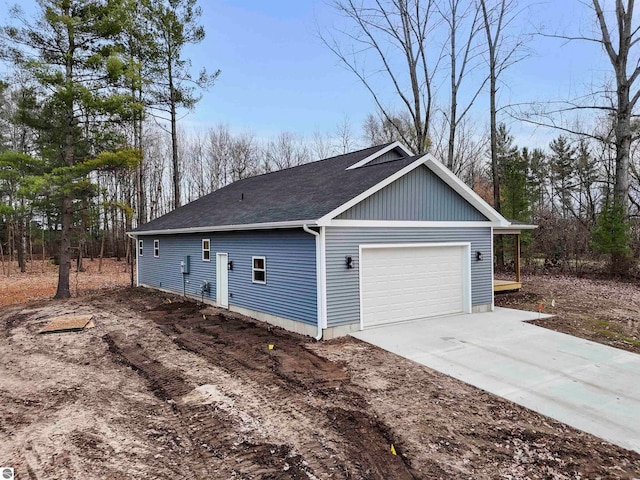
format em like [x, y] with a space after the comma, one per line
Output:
[364, 239]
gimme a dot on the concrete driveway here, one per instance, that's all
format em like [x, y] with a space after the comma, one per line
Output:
[587, 385]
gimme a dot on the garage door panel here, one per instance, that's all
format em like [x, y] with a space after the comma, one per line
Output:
[405, 283]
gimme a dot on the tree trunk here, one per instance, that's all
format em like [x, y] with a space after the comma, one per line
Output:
[454, 90]
[495, 168]
[63, 290]
[174, 138]
[2, 258]
[104, 234]
[19, 242]
[10, 246]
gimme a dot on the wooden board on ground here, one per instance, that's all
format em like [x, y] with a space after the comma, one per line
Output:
[68, 324]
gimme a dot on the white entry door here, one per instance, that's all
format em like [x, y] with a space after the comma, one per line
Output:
[400, 283]
[222, 280]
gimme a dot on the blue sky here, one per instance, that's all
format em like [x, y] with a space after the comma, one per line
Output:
[277, 75]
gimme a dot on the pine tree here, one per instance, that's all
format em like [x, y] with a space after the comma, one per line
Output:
[71, 53]
[562, 163]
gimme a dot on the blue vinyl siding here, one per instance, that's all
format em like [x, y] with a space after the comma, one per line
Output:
[418, 195]
[290, 291]
[343, 286]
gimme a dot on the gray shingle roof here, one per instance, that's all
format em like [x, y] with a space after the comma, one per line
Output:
[302, 193]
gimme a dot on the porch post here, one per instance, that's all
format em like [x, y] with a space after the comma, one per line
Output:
[517, 258]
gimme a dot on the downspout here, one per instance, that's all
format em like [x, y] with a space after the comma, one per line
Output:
[318, 279]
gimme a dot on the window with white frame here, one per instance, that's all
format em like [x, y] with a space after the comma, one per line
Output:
[259, 269]
[156, 248]
[206, 249]
[140, 247]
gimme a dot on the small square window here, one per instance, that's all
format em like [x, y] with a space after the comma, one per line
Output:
[206, 250]
[258, 269]
[156, 248]
[140, 247]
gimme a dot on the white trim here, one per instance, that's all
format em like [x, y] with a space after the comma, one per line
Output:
[360, 247]
[493, 292]
[320, 303]
[224, 267]
[140, 247]
[206, 250]
[367, 193]
[416, 245]
[264, 270]
[464, 191]
[138, 264]
[156, 248]
[323, 277]
[382, 151]
[467, 300]
[224, 228]
[514, 229]
[406, 223]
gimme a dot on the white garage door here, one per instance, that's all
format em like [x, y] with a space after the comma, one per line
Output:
[410, 282]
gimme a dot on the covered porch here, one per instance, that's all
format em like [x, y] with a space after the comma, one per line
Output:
[515, 229]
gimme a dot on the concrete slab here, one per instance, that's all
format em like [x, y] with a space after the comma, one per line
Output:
[584, 384]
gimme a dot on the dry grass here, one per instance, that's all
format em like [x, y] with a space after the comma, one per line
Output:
[605, 311]
[41, 280]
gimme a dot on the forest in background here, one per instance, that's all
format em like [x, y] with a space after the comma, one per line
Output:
[91, 143]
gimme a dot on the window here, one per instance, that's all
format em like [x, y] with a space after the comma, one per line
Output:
[140, 247]
[259, 269]
[206, 250]
[156, 248]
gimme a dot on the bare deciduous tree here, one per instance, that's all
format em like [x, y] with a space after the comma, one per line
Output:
[287, 150]
[502, 52]
[463, 21]
[384, 29]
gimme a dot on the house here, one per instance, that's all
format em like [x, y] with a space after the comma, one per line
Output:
[333, 246]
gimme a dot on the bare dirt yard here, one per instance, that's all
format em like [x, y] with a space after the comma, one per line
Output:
[165, 388]
[605, 311]
[41, 279]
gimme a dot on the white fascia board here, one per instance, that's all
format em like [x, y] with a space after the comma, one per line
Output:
[415, 245]
[367, 193]
[407, 224]
[226, 228]
[382, 151]
[464, 191]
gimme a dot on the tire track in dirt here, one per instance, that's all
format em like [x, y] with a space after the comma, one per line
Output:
[213, 436]
[291, 384]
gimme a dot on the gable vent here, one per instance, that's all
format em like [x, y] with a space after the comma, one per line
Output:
[393, 151]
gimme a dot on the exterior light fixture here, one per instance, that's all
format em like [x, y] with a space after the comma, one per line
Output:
[230, 265]
[478, 256]
[348, 262]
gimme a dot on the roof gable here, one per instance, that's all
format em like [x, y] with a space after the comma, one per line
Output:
[313, 193]
[420, 195]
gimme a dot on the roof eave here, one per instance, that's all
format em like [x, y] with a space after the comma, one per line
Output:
[226, 228]
[513, 229]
